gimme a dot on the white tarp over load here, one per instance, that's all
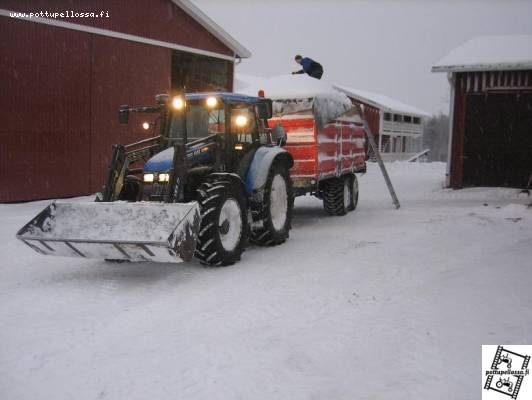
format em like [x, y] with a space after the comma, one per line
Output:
[300, 94]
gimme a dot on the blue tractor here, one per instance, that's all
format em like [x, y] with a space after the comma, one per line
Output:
[211, 178]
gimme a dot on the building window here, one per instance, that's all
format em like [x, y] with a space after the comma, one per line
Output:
[417, 120]
[386, 143]
[397, 118]
[408, 118]
[387, 116]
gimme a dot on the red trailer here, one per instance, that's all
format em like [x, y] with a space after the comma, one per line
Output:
[326, 138]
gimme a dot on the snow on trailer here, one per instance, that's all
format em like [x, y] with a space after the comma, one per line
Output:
[324, 132]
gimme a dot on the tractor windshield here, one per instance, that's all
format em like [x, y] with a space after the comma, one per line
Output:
[201, 121]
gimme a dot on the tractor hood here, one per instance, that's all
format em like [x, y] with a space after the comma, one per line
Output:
[161, 162]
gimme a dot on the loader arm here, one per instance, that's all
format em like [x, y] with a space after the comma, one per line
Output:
[122, 157]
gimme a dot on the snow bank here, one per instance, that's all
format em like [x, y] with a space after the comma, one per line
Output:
[300, 94]
[380, 288]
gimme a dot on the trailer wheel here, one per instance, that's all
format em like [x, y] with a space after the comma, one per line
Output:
[354, 192]
[336, 193]
[223, 232]
[273, 214]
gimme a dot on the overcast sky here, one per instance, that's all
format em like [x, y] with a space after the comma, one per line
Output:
[386, 47]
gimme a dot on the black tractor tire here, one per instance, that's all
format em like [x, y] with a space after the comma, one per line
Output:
[131, 189]
[354, 193]
[223, 233]
[337, 194]
[272, 213]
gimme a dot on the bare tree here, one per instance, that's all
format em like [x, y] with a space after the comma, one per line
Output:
[436, 137]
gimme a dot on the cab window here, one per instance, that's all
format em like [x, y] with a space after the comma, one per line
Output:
[244, 124]
[201, 122]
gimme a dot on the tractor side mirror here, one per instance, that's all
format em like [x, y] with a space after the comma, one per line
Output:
[279, 135]
[264, 109]
[123, 114]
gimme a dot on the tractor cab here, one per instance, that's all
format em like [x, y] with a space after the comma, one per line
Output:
[217, 131]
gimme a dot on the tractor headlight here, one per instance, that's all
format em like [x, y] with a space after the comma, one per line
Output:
[148, 178]
[178, 103]
[164, 178]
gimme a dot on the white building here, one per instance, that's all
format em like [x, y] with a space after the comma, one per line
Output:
[397, 127]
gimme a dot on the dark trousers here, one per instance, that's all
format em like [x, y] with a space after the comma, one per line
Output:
[316, 72]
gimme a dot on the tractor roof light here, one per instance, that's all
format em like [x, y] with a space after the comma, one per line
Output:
[178, 103]
[241, 121]
[212, 102]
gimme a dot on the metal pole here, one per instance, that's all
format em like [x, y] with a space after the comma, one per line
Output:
[375, 149]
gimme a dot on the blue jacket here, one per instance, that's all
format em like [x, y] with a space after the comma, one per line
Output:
[306, 64]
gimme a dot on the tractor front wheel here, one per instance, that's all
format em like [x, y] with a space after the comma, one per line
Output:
[224, 227]
[273, 213]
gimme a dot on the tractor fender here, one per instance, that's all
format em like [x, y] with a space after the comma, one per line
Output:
[234, 178]
[263, 159]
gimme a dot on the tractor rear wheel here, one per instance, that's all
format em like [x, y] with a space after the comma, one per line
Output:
[223, 232]
[273, 213]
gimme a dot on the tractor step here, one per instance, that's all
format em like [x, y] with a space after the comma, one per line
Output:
[157, 232]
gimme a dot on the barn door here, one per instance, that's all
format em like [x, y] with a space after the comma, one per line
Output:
[200, 73]
[498, 140]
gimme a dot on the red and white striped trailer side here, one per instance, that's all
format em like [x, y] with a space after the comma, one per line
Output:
[320, 154]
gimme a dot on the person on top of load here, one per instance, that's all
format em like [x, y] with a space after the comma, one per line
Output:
[311, 67]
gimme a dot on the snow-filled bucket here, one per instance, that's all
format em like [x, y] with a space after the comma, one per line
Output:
[160, 232]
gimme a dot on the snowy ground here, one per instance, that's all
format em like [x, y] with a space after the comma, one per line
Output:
[380, 304]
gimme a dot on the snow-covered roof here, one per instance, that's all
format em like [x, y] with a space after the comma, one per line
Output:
[285, 86]
[382, 102]
[242, 81]
[303, 86]
[293, 94]
[508, 52]
[213, 27]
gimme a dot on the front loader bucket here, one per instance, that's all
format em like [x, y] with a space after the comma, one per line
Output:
[160, 232]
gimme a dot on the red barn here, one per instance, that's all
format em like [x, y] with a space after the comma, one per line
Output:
[491, 112]
[65, 72]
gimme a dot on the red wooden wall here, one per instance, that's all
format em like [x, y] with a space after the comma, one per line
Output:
[61, 89]
[154, 19]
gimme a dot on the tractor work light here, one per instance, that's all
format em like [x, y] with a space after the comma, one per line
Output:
[211, 102]
[178, 103]
[164, 177]
[148, 178]
[241, 121]
[146, 125]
